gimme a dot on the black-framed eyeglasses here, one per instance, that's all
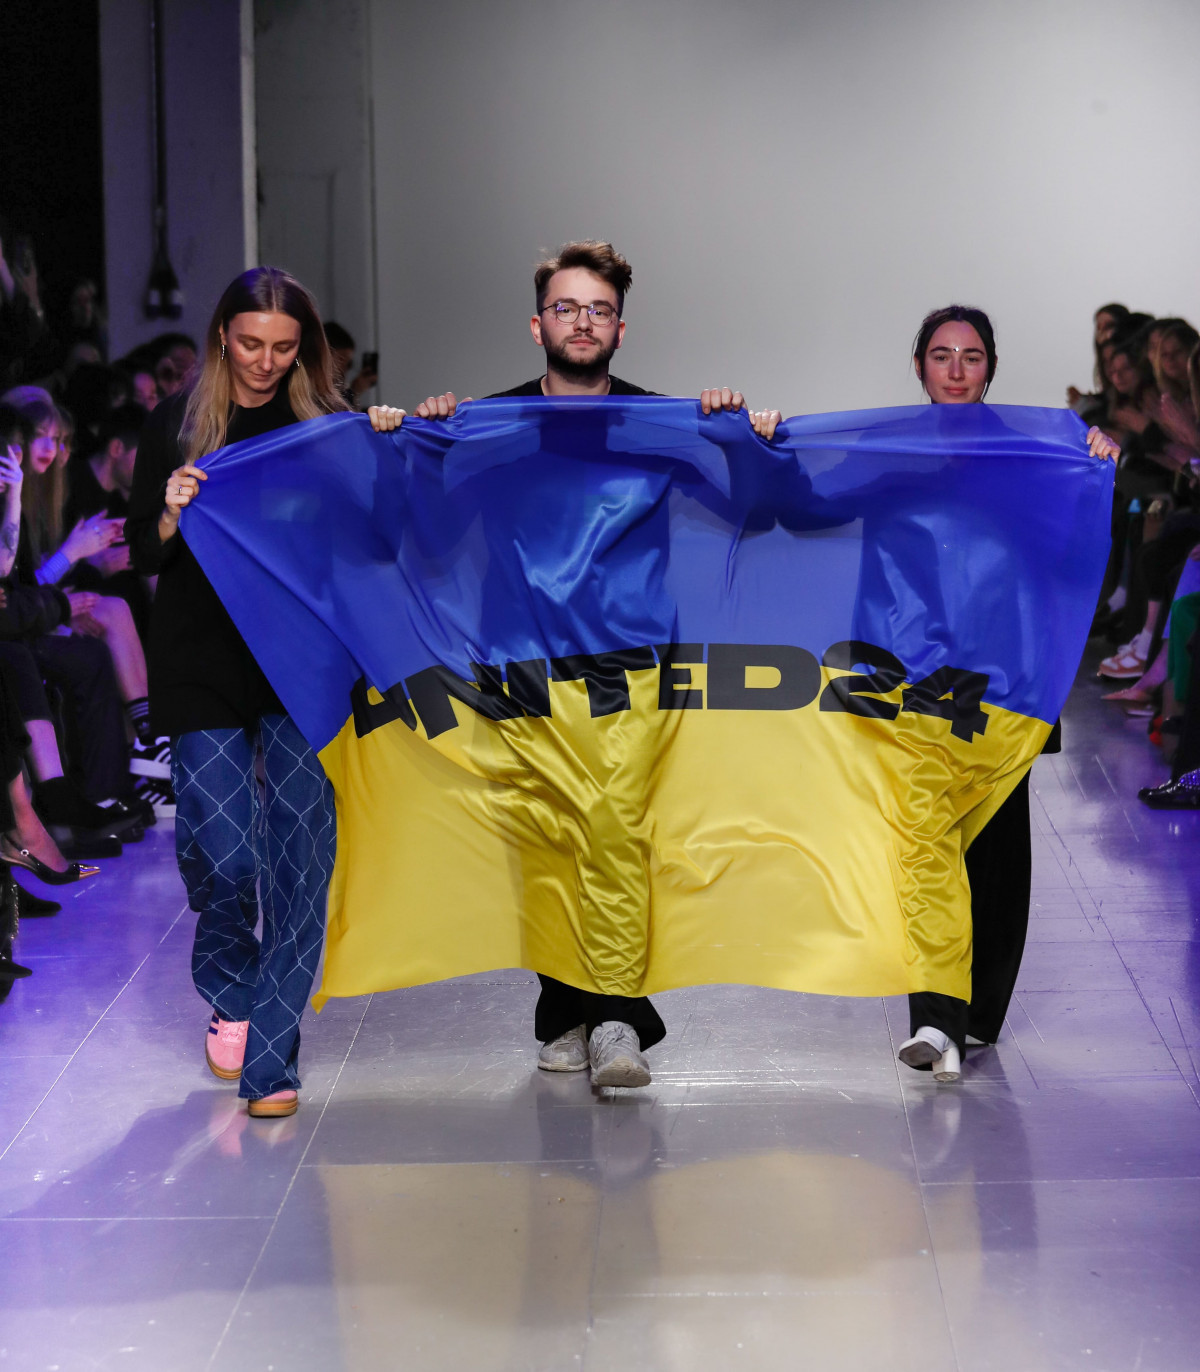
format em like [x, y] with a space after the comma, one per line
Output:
[567, 311]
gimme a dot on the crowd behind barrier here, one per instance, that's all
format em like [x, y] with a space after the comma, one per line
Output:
[84, 774]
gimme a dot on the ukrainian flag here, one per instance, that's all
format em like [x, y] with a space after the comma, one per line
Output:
[621, 693]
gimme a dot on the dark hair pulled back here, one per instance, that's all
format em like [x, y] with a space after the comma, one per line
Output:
[961, 314]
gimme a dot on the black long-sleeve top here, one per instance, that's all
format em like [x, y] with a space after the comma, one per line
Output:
[202, 674]
[30, 610]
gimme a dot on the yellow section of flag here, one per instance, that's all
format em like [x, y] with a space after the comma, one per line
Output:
[809, 849]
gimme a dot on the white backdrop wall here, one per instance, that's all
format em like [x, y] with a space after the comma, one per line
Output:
[795, 184]
[313, 129]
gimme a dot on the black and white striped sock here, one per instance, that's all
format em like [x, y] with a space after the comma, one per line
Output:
[139, 716]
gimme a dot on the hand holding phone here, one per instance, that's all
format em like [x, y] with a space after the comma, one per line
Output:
[10, 468]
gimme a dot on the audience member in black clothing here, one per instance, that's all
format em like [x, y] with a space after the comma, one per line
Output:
[13, 742]
[266, 365]
[29, 615]
[44, 558]
[26, 347]
[24, 841]
[578, 324]
[100, 485]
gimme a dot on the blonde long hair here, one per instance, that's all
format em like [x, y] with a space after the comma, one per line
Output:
[311, 392]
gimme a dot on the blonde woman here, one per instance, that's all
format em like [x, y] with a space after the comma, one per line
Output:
[266, 365]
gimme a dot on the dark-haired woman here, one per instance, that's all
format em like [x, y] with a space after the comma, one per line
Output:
[1109, 322]
[266, 365]
[955, 359]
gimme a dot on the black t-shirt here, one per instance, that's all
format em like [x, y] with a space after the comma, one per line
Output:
[86, 496]
[202, 674]
[615, 387]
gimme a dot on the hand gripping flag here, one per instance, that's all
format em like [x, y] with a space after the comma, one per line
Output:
[623, 694]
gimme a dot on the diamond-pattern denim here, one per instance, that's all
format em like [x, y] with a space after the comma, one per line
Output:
[236, 845]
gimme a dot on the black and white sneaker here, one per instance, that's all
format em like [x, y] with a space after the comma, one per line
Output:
[151, 758]
[157, 794]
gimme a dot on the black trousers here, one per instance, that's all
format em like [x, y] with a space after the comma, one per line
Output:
[561, 1007]
[1187, 755]
[13, 742]
[24, 679]
[81, 668]
[1000, 871]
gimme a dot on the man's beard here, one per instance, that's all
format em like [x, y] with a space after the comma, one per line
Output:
[565, 364]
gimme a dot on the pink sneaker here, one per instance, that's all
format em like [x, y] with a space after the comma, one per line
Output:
[274, 1106]
[226, 1047]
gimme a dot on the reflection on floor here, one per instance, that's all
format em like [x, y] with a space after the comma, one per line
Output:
[783, 1196]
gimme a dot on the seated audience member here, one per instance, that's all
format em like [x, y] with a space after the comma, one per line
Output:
[1107, 323]
[84, 320]
[23, 840]
[25, 341]
[174, 361]
[1175, 413]
[341, 351]
[1182, 791]
[91, 395]
[29, 614]
[1159, 416]
[77, 355]
[44, 558]
[143, 389]
[1144, 473]
[99, 485]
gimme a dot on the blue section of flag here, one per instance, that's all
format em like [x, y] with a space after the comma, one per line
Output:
[968, 536]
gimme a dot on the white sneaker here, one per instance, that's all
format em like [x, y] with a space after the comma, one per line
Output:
[929, 1046]
[567, 1053]
[617, 1057]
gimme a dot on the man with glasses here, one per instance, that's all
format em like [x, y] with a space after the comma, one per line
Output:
[580, 296]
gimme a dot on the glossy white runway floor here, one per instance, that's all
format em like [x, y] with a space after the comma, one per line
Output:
[783, 1196]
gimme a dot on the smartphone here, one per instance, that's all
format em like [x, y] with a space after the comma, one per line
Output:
[370, 363]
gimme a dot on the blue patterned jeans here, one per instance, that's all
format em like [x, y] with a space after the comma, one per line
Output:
[236, 848]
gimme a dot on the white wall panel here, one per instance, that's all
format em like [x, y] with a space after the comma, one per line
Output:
[795, 184]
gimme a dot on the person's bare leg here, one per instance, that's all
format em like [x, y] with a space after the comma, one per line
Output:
[44, 757]
[29, 831]
[120, 634]
[1153, 677]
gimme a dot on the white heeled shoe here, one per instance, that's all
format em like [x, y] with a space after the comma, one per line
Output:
[930, 1047]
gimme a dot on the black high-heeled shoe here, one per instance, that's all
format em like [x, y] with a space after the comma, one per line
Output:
[22, 857]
